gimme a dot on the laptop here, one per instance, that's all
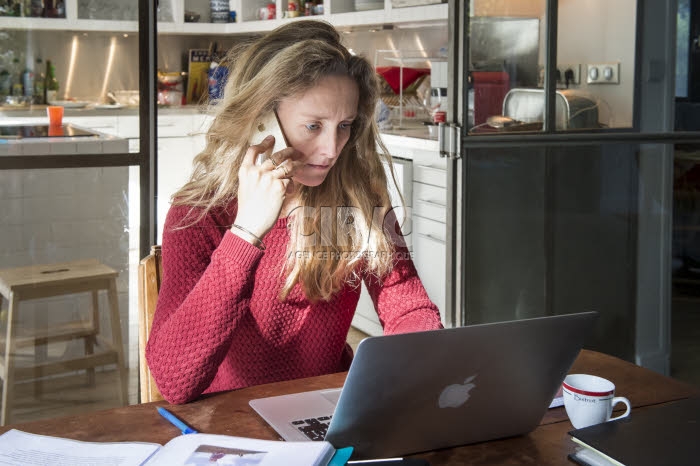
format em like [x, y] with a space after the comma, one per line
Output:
[427, 390]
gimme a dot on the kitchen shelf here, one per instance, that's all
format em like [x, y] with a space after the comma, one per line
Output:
[404, 58]
[402, 17]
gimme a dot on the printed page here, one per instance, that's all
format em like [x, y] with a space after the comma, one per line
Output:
[208, 449]
[19, 448]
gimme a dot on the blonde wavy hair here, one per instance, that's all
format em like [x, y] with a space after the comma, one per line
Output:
[340, 229]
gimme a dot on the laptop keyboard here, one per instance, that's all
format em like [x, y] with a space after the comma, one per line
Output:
[314, 428]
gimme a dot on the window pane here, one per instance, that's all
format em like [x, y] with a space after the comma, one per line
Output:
[594, 77]
[96, 80]
[596, 60]
[682, 39]
[505, 50]
[64, 222]
[566, 229]
[686, 263]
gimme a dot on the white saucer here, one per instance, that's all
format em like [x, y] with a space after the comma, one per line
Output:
[109, 106]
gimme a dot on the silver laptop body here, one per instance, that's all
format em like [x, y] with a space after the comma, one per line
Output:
[427, 390]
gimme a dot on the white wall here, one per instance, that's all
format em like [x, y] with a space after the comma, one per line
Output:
[601, 31]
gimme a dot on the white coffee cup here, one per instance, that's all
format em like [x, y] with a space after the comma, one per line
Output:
[590, 399]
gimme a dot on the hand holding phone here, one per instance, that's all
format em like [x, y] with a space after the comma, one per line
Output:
[268, 124]
[261, 189]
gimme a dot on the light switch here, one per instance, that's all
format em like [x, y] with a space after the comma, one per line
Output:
[593, 73]
[603, 73]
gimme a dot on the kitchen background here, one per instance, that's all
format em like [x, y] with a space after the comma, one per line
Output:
[88, 64]
[507, 37]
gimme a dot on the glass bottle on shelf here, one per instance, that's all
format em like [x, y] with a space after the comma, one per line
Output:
[28, 84]
[36, 8]
[51, 85]
[39, 82]
[50, 9]
[17, 88]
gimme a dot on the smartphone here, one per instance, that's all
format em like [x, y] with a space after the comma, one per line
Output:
[268, 124]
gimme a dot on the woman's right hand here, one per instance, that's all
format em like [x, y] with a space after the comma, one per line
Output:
[262, 188]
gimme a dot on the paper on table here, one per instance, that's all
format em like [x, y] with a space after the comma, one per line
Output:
[19, 448]
[25, 449]
[198, 449]
[557, 401]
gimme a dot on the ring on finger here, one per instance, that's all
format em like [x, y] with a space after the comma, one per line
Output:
[284, 168]
[274, 162]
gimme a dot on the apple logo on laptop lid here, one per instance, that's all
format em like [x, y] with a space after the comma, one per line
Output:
[455, 395]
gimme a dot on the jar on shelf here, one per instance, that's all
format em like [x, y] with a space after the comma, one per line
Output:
[268, 12]
[293, 8]
[219, 11]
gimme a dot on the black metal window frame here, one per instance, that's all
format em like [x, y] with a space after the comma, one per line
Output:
[550, 135]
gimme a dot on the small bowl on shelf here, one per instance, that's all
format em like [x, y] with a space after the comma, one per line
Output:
[17, 101]
[191, 17]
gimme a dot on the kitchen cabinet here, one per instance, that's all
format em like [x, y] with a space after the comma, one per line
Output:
[175, 155]
[425, 194]
[180, 139]
[429, 217]
[340, 13]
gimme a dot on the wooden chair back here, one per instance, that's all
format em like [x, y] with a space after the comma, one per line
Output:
[149, 285]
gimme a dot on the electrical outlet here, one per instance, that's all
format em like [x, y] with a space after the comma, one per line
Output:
[561, 75]
[575, 71]
[603, 73]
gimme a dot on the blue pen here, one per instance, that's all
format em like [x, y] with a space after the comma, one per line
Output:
[170, 417]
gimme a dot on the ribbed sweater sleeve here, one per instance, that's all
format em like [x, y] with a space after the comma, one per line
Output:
[206, 286]
[402, 304]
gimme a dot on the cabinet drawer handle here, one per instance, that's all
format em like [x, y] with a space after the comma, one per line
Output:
[432, 238]
[432, 203]
[166, 125]
[430, 167]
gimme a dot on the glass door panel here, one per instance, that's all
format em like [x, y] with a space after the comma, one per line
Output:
[60, 223]
[685, 327]
[555, 226]
[505, 59]
[74, 215]
[595, 64]
[548, 232]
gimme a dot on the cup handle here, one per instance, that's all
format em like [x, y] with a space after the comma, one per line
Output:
[621, 399]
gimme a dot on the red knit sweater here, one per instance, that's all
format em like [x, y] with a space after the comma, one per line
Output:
[219, 324]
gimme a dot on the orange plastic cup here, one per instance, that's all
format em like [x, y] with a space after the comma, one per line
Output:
[55, 113]
[55, 131]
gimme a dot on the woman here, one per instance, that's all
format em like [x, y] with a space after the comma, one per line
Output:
[262, 262]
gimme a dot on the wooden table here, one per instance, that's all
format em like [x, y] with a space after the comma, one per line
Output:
[229, 413]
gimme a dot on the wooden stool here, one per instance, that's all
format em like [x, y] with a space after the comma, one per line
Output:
[42, 281]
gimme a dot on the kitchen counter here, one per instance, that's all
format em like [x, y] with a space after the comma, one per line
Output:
[39, 111]
[95, 143]
[412, 136]
[402, 142]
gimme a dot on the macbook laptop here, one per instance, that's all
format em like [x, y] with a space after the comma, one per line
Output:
[422, 391]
